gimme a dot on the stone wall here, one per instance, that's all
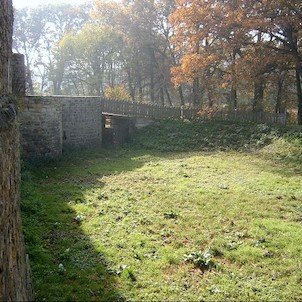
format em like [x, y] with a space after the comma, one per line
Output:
[52, 124]
[15, 281]
[82, 122]
[41, 127]
[15, 284]
[18, 75]
[6, 31]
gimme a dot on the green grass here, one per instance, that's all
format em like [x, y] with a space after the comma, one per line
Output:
[156, 221]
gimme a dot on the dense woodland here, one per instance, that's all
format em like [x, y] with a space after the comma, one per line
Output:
[239, 54]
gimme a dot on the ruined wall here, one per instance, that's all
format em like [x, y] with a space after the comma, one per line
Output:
[15, 284]
[18, 75]
[41, 127]
[82, 122]
[52, 124]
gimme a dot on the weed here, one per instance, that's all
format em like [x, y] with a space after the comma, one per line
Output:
[170, 215]
[130, 274]
[202, 260]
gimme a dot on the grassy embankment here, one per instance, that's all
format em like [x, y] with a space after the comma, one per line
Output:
[188, 211]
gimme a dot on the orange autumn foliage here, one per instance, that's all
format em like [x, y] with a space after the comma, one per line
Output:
[238, 42]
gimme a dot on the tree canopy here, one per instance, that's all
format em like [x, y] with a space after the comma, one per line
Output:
[239, 54]
[239, 45]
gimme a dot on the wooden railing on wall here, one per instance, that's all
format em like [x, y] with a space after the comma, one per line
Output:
[146, 110]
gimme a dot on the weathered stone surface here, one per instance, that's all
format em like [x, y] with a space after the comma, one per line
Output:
[15, 280]
[52, 124]
[8, 112]
[82, 122]
[15, 284]
[18, 75]
[6, 32]
[41, 127]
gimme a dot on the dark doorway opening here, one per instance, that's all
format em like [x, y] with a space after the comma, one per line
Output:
[116, 129]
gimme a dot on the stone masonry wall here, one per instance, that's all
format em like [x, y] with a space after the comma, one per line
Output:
[18, 75]
[15, 281]
[52, 124]
[6, 31]
[41, 127]
[15, 284]
[82, 122]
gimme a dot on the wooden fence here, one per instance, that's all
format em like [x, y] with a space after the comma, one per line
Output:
[247, 116]
[132, 109]
[146, 110]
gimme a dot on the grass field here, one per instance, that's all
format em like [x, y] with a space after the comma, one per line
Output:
[187, 211]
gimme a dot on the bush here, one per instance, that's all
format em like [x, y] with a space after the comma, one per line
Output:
[117, 93]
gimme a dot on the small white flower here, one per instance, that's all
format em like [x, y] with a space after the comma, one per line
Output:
[79, 218]
[61, 268]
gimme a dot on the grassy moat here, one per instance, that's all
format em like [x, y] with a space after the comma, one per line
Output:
[186, 211]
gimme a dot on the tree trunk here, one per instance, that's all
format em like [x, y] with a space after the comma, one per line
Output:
[152, 73]
[299, 94]
[162, 96]
[292, 43]
[195, 99]
[130, 85]
[168, 96]
[258, 95]
[96, 84]
[181, 96]
[278, 108]
[29, 82]
[233, 98]
[140, 90]
[210, 98]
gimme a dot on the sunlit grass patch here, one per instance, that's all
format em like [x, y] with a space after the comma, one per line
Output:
[131, 224]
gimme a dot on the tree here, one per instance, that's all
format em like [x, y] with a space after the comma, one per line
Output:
[210, 46]
[281, 22]
[36, 31]
[29, 28]
[237, 42]
[143, 30]
[91, 60]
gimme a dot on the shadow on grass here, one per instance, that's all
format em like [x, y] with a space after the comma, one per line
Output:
[66, 266]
